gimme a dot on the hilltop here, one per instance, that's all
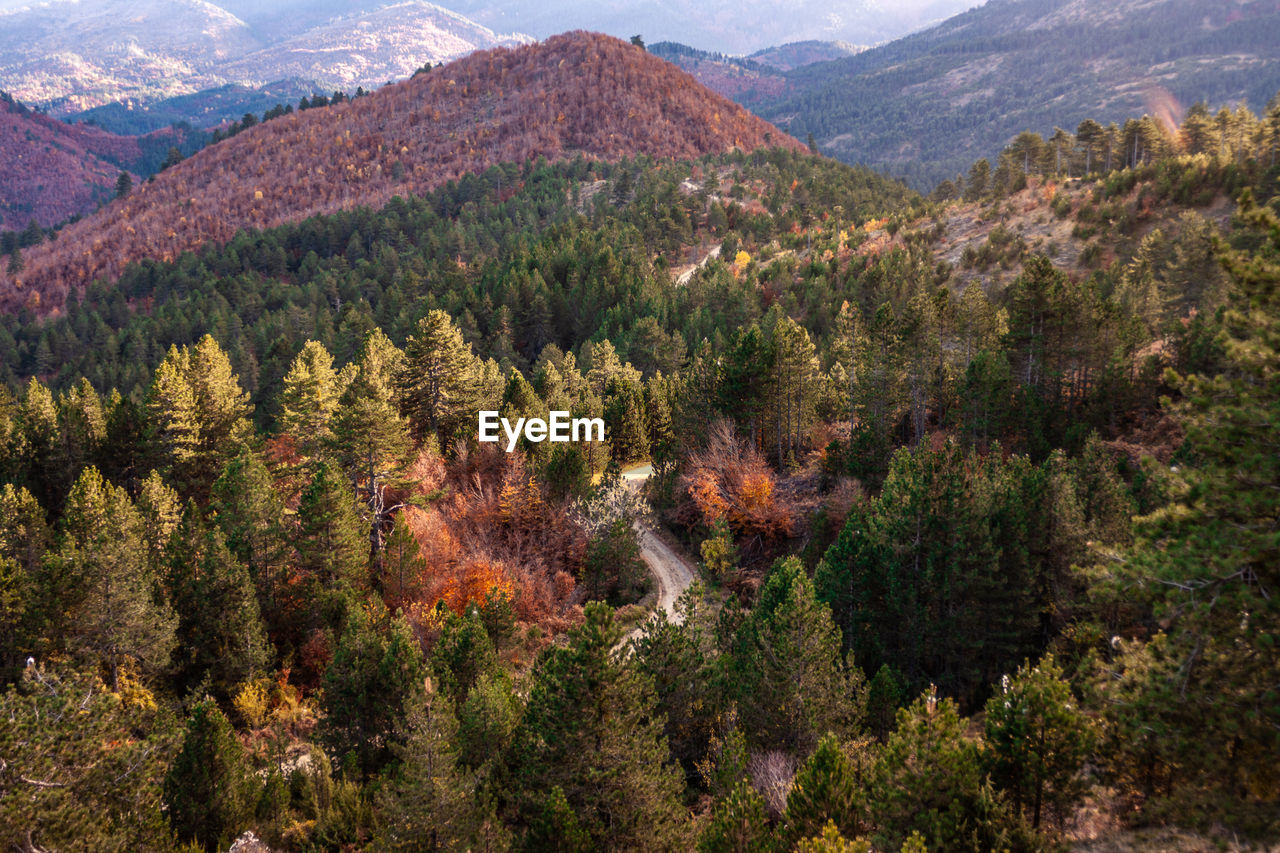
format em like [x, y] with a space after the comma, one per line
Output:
[572, 94]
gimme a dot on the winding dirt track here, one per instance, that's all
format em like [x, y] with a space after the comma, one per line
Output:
[674, 574]
[672, 571]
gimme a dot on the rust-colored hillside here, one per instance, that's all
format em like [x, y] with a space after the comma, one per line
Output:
[573, 93]
[50, 171]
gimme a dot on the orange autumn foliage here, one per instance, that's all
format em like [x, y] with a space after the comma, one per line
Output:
[731, 480]
[474, 583]
[493, 530]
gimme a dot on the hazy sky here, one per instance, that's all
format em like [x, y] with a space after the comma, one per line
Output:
[732, 26]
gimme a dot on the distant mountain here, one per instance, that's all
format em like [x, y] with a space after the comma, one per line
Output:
[73, 55]
[735, 77]
[68, 56]
[785, 57]
[51, 171]
[572, 94]
[755, 76]
[369, 49]
[926, 106]
[720, 25]
[207, 108]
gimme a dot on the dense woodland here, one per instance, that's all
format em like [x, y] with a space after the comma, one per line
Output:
[983, 545]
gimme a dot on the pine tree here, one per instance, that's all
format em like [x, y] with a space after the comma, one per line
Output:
[16, 597]
[197, 415]
[738, 824]
[100, 584]
[929, 779]
[402, 564]
[36, 450]
[791, 684]
[979, 179]
[520, 400]
[161, 512]
[376, 669]
[83, 766]
[487, 721]
[1039, 739]
[590, 732]
[1207, 561]
[1089, 135]
[210, 790]
[250, 513]
[657, 403]
[624, 417]
[933, 577]
[831, 841]
[371, 440]
[220, 633]
[438, 383]
[309, 399]
[462, 654]
[429, 803]
[884, 697]
[793, 365]
[744, 382]
[331, 545]
[674, 655]
[24, 533]
[826, 790]
[82, 425]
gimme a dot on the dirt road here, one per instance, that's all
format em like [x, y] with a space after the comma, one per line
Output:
[672, 571]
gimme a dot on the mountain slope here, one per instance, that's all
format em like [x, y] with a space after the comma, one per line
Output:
[51, 171]
[206, 108]
[70, 56]
[785, 57]
[47, 172]
[928, 105]
[732, 76]
[577, 93]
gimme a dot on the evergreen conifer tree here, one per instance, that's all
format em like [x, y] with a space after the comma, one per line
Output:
[438, 382]
[210, 791]
[100, 582]
[790, 681]
[220, 632]
[590, 732]
[826, 790]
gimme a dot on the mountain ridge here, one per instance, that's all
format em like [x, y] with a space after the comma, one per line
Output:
[926, 106]
[67, 57]
[577, 93]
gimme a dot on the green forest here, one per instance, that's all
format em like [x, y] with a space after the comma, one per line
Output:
[984, 545]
